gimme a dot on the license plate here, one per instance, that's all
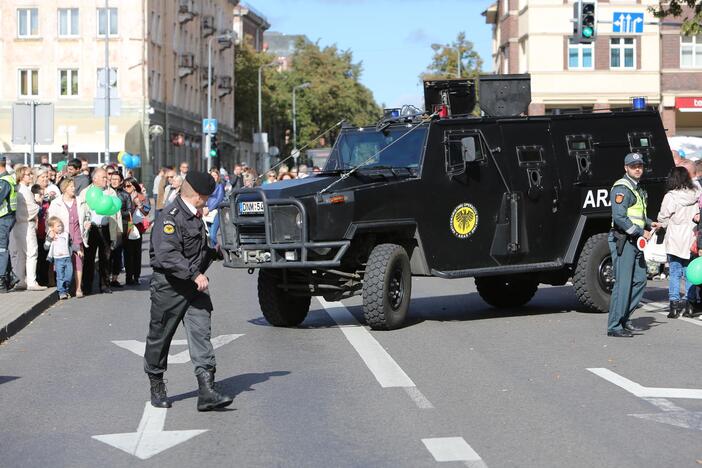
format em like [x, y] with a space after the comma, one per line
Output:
[250, 207]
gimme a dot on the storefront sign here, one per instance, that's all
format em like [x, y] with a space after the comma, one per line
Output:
[688, 104]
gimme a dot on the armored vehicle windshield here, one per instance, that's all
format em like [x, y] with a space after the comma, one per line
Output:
[397, 147]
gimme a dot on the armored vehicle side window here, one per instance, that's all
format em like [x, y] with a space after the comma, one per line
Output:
[580, 147]
[462, 149]
[530, 155]
[642, 142]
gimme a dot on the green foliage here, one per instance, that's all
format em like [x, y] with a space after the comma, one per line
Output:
[335, 94]
[444, 63]
[691, 9]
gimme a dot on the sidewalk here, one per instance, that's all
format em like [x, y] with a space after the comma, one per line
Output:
[20, 308]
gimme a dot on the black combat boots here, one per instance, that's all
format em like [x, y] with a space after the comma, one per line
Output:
[674, 309]
[686, 308]
[159, 398]
[3, 285]
[208, 397]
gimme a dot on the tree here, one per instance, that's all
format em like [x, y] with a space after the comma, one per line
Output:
[691, 25]
[444, 63]
[335, 94]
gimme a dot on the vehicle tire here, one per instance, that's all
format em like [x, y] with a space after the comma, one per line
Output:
[279, 307]
[387, 287]
[594, 275]
[506, 291]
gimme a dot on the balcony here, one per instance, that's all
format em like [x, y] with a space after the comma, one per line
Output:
[224, 86]
[208, 26]
[186, 65]
[204, 78]
[186, 11]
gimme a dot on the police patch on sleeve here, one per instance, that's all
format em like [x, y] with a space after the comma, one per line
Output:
[168, 227]
[618, 198]
[464, 220]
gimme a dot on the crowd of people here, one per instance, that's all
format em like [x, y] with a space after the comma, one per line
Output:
[54, 235]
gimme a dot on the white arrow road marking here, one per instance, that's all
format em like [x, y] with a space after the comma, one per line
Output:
[658, 307]
[149, 439]
[646, 392]
[671, 414]
[452, 449]
[138, 347]
[383, 367]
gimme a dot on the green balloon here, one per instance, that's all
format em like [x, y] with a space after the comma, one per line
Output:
[105, 206]
[61, 165]
[93, 197]
[694, 271]
[117, 203]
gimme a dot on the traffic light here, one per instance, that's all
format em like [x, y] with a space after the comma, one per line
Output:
[585, 28]
[214, 150]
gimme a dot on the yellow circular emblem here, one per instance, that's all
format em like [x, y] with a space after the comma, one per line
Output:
[168, 229]
[464, 220]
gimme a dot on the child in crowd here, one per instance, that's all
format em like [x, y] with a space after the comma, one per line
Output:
[58, 244]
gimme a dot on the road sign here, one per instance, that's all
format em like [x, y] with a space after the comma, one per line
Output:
[209, 126]
[627, 22]
[22, 123]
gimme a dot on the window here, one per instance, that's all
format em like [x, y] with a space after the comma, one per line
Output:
[529, 155]
[622, 52]
[28, 83]
[107, 21]
[691, 51]
[68, 83]
[580, 56]
[68, 22]
[27, 22]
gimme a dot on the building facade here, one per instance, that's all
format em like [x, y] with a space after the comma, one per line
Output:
[633, 54]
[53, 51]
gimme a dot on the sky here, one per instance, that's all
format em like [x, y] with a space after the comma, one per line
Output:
[392, 38]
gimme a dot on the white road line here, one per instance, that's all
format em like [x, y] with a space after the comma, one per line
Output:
[452, 449]
[419, 398]
[383, 367]
[646, 392]
[664, 405]
[658, 306]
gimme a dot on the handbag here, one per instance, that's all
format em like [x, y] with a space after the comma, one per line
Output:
[655, 249]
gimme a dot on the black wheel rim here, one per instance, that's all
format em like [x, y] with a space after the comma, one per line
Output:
[605, 274]
[396, 288]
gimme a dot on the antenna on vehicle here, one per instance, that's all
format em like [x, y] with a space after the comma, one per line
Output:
[306, 146]
[348, 174]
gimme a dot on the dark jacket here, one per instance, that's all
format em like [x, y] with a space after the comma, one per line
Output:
[179, 243]
[81, 181]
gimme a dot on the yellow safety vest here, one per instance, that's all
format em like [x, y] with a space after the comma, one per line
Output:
[636, 212]
[10, 203]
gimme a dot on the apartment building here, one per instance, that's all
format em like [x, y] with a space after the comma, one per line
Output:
[634, 54]
[53, 51]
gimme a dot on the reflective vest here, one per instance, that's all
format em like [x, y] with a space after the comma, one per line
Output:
[636, 212]
[9, 205]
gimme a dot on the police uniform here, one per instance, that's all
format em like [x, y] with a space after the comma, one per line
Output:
[179, 253]
[629, 221]
[8, 207]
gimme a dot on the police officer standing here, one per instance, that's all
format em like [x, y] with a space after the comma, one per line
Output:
[179, 257]
[629, 222]
[8, 207]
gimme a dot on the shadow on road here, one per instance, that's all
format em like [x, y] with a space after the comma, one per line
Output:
[236, 384]
[7, 378]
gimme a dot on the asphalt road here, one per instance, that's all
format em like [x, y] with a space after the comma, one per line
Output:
[462, 382]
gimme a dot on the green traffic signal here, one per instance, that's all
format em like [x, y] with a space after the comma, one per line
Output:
[587, 32]
[213, 153]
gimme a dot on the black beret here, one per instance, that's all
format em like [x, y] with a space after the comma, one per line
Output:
[201, 182]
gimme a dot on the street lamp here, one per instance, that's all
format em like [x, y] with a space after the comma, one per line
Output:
[294, 111]
[222, 38]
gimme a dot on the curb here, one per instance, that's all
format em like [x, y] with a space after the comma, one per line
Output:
[21, 321]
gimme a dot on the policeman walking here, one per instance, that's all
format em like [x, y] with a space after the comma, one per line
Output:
[8, 206]
[179, 257]
[629, 222]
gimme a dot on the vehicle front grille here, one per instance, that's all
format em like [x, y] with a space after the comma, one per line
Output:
[252, 234]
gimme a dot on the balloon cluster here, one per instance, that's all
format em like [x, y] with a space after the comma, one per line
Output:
[130, 161]
[100, 203]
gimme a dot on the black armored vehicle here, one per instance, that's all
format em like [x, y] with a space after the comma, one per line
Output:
[513, 201]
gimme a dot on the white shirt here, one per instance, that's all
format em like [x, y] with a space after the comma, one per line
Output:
[191, 207]
[59, 246]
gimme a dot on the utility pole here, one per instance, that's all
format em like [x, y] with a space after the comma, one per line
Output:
[294, 112]
[107, 83]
